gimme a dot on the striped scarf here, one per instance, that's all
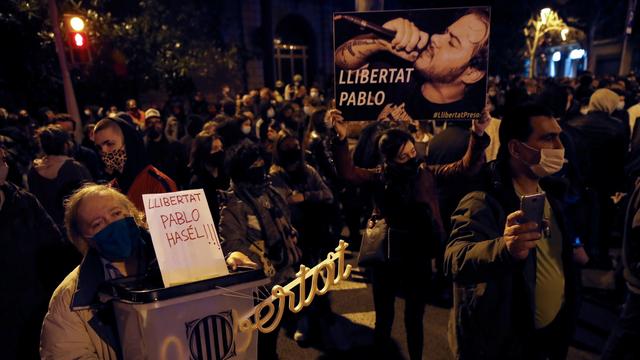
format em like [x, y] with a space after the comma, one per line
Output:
[272, 212]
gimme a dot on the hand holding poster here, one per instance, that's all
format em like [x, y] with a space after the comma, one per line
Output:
[412, 64]
[184, 236]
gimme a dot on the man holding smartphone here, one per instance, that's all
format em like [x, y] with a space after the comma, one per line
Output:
[514, 283]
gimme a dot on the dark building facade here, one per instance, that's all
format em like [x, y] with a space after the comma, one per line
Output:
[282, 38]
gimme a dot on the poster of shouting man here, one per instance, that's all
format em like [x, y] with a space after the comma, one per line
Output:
[412, 64]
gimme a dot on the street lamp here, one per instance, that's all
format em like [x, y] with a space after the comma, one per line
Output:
[544, 15]
[548, 20]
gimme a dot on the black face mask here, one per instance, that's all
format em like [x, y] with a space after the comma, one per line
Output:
[216, 159]
[407, 169]
[256, 175]
[290, 157]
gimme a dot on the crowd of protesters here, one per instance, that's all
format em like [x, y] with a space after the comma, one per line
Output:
[286, 177]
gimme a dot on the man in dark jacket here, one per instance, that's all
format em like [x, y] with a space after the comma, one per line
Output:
[28, 236]
[514, 281]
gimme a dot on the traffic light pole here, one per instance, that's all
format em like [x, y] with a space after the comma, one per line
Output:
[625, 58]
[69, 94]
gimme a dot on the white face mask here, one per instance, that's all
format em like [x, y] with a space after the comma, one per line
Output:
[246, 130]
[551, 161]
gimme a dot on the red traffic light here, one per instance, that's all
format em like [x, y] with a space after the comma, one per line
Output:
[78, 40]
[77, 35]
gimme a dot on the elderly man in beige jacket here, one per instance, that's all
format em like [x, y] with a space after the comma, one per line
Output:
[106, 227]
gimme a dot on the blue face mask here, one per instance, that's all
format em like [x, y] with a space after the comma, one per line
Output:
[117, 240]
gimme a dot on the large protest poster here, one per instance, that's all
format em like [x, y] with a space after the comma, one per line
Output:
[412, 64]
[184, 236]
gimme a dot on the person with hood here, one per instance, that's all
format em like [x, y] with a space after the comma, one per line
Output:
[125, 157]
[109, 231]
[601, 146]
[255, 225]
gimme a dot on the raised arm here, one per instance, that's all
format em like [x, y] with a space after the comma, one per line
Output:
[476, 248]
[407, 44]
[344, 163]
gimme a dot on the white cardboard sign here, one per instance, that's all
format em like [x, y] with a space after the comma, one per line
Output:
[184, 236]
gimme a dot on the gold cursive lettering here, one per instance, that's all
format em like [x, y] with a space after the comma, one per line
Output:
[265, 312]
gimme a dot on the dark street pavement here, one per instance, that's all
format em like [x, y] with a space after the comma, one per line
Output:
[348, 333]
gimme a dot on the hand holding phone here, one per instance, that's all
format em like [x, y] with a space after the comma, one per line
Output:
[520, 235]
